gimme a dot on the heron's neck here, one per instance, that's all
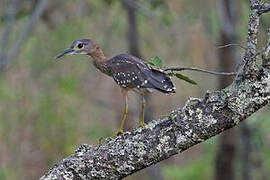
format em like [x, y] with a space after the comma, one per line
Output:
[98, 56]
[99, 60]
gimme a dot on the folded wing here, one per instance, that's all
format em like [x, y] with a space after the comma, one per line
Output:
[131, 72]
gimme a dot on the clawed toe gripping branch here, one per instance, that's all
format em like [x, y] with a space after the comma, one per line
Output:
[197, 121]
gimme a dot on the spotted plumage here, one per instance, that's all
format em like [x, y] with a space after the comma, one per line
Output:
[129, 72]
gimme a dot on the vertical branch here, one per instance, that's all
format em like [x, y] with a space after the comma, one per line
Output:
[253, 28]
[265, 58]
[249, 59]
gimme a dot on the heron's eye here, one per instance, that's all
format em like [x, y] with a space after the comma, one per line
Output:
[80, 45]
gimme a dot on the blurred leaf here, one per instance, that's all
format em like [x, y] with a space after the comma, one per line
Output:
[5, 172]
[167, 19]
[225, 92]
[156, 61]
[185, 78]
[151, 63]
[192, 170]
[170, 74]
[68, 84]
[158, 3]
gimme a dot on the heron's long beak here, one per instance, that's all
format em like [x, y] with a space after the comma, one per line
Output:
[68, 51]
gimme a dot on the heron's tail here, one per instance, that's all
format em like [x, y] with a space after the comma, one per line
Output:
[161, 82]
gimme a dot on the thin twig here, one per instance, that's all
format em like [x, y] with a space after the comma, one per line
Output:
[229, 45]
[6, 35]
[200, 70]
[148, 13]
[42, 4]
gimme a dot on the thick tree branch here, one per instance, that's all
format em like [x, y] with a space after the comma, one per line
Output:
[198, 120]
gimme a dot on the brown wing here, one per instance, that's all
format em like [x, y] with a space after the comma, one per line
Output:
[125, 71]
[131, 72]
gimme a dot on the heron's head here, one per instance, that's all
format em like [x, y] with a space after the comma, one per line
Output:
[80, 46]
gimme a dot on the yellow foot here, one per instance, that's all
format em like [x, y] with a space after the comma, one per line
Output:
[142, 124]
[119, 132]
[113, 136]
[101, 140]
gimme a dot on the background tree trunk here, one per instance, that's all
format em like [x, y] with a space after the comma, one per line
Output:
[134, 49]
[227, 60]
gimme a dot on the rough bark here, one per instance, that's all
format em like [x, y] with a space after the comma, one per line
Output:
[197, 121]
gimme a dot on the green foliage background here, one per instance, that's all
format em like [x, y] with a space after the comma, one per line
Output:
[48, 107]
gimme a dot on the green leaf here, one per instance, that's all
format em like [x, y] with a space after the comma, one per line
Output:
[151, 63]
[170, 74]
[173, 115]
[224, 91]
[185, 78]
[157, 61]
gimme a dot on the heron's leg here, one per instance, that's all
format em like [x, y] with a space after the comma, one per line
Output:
[143, 111]
[124, 92]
